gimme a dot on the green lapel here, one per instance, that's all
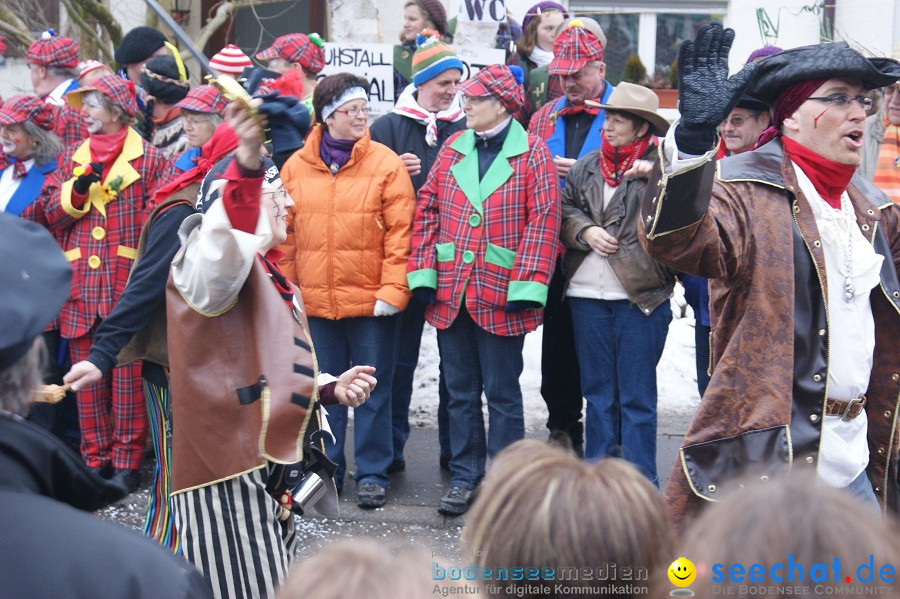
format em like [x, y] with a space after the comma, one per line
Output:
[466, 170]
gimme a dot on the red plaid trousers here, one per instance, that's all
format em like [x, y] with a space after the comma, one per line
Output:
[111, 413]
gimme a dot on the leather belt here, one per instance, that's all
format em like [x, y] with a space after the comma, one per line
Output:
[847, 410]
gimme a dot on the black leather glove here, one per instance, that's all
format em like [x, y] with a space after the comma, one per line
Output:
[521, 305]
[425, 295]
[93, 173]
[705, 92]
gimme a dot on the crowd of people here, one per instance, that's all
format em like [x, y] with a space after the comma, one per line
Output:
[208, 256]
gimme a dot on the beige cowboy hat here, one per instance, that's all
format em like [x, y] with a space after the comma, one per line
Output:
[637, 100]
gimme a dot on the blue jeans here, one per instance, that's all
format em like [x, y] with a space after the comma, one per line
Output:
[618, 349]
[340, 344]
[861, 488]
[477, 361]
[409, 338]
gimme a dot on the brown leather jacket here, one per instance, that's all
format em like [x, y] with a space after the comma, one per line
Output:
[647, 282]
[747, 227]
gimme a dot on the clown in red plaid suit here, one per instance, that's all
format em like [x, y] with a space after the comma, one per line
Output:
[99, 213]
[53, 65]
[483, 250]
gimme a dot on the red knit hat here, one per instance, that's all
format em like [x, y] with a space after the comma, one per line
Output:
[500, 81]
[297, 47]
[120, 91]
[204, 98]
[231, 60]
[19, 109]
[573, 48]
[53, 50]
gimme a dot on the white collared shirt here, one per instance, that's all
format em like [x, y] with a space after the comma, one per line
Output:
[56, 96]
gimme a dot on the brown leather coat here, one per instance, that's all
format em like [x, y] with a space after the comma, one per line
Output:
[647, 282]
[749, 229]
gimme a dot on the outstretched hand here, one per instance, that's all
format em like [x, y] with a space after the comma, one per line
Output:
[706, 94]
[355, 386]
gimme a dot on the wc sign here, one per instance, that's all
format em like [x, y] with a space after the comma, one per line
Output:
[483, 10]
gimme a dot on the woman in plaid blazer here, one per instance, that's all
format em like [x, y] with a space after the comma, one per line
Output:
[484, 245]
[98, 214]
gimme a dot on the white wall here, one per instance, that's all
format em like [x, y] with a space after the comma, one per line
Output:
[390, 14]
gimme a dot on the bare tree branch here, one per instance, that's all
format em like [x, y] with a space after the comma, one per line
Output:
[88, 31]
[223, 14]
[105, 18]
[22, 38]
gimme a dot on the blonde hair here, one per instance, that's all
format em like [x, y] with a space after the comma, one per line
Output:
[762, 523]
[540, 507]
[364, 568]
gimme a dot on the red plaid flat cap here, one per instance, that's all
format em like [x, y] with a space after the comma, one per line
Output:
[53, 50]
[120, 91]
[574, 47]
[297, 47]
[204, 98]
[499, 81]
[18, 109]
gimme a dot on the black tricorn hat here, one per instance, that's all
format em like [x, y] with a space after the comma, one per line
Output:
[821, 61]
[36, 279]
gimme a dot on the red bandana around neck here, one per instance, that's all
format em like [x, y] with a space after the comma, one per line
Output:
[18, 166]
[830, 178]
[222, 142]
[578, 109]
[105, 148]
[615, 161]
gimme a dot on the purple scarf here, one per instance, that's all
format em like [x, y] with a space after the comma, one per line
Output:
[335, 153]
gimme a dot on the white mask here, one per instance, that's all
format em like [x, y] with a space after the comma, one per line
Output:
[8, 146]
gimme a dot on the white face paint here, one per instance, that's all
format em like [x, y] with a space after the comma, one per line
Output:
[94, 125]
[8, 146]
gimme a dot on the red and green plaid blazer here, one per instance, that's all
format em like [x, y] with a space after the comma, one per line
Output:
[487, 242]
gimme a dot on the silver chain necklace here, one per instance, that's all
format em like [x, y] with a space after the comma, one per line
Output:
[845, 267]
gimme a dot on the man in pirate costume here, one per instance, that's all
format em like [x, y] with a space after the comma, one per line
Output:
[98, 214]
[244, 381]
[802, 255]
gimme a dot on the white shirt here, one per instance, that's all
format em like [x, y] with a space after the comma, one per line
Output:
[56, 96]
[844, 449]
[594, 278]
[8, 185]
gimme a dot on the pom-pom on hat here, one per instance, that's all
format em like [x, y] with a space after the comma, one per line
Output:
[573, 48]
[299, 48]
[498, 80]
[120, 91]
[432, 58]
[205, 99]
[19, 109]
[139, 44]
[230, 60]
[53, 50]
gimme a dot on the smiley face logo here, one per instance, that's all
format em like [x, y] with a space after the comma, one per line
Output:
[682, 572]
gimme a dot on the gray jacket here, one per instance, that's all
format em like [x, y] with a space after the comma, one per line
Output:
[647, 282]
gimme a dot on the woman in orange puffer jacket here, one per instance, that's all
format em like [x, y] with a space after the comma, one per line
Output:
[347, 248]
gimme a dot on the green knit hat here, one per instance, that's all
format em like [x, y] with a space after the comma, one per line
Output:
[432, 58]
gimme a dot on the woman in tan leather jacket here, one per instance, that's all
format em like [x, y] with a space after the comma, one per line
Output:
[619, 295]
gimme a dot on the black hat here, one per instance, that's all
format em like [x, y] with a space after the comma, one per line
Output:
[160, 79]
[821, 61]
[751, 103]
[139, 44]
[36, 279]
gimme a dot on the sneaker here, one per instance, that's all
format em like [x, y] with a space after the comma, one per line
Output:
[370, 495]
[456, 502]
[398, 465]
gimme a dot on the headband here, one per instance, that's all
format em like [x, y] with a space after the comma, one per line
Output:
[353, 93]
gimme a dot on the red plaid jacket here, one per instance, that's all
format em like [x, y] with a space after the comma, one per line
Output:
[100, 239]
[491, 241]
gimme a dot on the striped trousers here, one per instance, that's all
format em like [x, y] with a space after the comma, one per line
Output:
[230, 531]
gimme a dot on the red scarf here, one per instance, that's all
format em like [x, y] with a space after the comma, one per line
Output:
[578, 109]
[830, 178]
[223, 142]
[106, 147]
[615, 161]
